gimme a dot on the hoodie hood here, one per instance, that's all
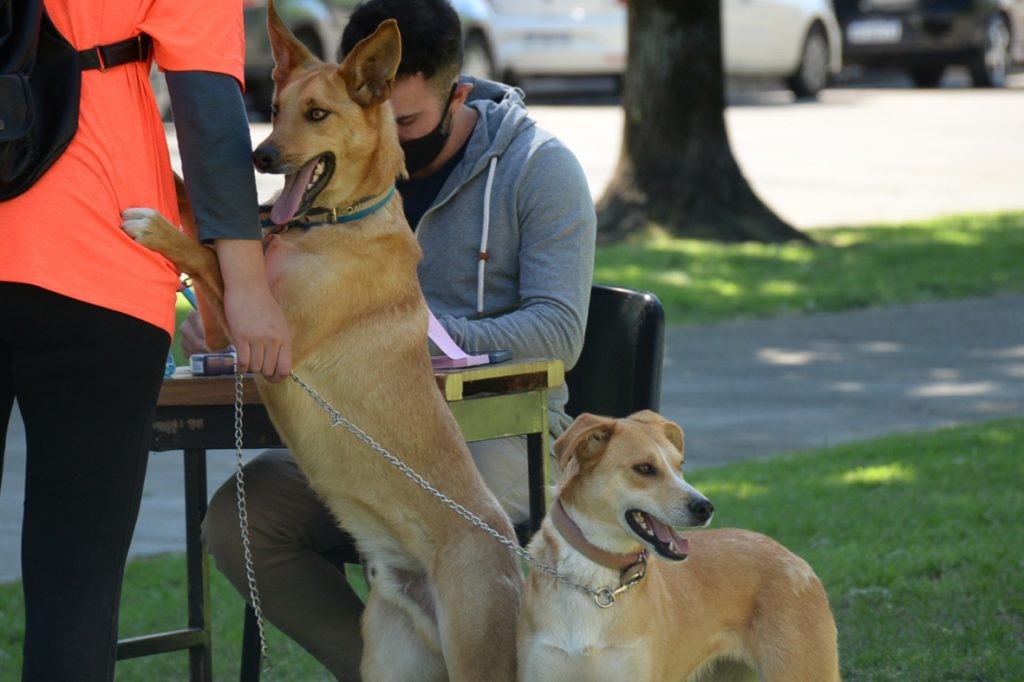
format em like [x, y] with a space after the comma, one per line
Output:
[503, 116]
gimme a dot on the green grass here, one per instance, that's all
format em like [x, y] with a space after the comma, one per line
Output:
[153, 600]
[917, 538]
[700, 282]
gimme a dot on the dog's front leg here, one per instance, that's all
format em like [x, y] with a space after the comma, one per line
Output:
[393, 650]
[211, 302]
[150, 229]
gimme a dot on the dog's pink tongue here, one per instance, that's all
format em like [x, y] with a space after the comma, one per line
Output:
[287, 204]
[668, 534]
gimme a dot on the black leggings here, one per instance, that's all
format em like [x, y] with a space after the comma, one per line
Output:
[86, 381]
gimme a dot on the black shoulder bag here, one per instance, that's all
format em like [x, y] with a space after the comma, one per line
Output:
[40, 86]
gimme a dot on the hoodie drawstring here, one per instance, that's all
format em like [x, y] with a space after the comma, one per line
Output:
[482, 264]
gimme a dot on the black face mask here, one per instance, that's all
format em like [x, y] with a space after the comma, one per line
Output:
[420, 152]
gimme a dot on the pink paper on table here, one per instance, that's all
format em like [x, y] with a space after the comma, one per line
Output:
[454, 356]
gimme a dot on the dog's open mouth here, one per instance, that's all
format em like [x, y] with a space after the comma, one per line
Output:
[301, 189]
[665, 540]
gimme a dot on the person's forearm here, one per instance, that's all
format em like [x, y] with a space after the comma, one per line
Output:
[242, 265]
[215, 147]
[257, 323]
[213, 136]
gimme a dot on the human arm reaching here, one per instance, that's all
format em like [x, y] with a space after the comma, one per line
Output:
[213, 137]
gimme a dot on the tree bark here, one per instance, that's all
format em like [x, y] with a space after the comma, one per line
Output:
[676, 170]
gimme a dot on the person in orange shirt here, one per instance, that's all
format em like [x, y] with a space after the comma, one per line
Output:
[87, 315]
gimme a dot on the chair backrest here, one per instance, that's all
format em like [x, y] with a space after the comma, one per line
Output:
[619, 370]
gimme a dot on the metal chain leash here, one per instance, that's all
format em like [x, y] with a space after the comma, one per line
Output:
[604, 596]
[243, 520]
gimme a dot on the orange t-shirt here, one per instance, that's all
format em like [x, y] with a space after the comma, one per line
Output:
[64, 233]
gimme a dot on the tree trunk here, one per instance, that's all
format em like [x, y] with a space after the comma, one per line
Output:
[676, 170]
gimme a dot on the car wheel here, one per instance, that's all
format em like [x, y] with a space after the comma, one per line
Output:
[476, 58]
[989, 66]
[619, 84]
[308, 37]
[260, 93]
[510, 77]
[259, 96]
[812, 74]
[927, 76]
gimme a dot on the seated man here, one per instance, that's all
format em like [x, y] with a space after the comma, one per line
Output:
[506, 222]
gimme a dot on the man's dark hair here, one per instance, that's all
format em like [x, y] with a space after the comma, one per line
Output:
[431, 37]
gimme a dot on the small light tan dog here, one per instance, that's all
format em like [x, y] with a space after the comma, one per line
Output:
[739, 607]
[444, 596]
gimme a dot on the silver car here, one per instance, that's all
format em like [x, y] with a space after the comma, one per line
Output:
[795, 40]
[512, 39]
[798, 41]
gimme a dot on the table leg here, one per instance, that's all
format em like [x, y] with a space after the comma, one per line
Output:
[197, 636]
[539, 472]
[200, 657]
[535, 475]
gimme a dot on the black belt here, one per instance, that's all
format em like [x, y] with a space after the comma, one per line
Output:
[105, 57]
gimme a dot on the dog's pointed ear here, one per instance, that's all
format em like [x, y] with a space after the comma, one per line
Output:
[369, 69]
[289, 52]
[673, 432]
[586, 437]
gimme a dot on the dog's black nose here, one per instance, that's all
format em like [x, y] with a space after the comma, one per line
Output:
[265, 157]
[702, 509]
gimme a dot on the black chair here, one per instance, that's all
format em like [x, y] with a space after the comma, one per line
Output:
[618, 373]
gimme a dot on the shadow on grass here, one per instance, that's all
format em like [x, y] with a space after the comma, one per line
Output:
[850, 268]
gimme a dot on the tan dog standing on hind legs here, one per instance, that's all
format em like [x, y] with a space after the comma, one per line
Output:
[358, 321]
[740, 607]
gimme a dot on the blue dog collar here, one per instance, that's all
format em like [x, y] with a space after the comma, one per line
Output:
[331, 216]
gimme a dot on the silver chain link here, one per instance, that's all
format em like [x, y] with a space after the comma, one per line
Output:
[604, 596]
[243, 520]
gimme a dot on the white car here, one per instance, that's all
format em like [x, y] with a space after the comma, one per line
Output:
[797, 40]
[512, 39]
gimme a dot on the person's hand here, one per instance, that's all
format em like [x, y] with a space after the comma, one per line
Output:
[258, 327]
[259, 331]
[193, 338]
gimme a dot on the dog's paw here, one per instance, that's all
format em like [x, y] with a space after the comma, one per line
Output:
[143, 224]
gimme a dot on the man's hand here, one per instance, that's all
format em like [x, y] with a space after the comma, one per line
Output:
[193, 338]
[258, 327]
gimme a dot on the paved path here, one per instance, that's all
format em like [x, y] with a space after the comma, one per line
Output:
[757, 388]
[750, 389]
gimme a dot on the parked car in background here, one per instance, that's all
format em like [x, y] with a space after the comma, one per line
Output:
[317, 23]
[795, 40]
[925, 36]
[510, 40]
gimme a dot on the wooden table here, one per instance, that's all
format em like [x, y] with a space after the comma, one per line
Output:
[195, 414]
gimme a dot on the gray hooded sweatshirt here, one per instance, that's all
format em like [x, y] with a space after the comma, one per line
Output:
[520, 197]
